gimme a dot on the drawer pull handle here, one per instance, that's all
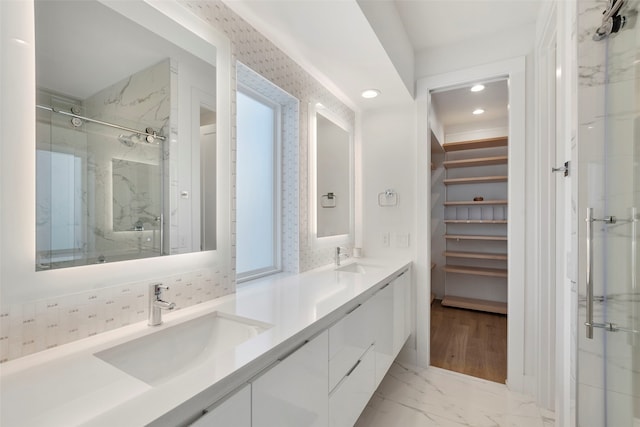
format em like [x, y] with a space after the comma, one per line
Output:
[353, 368]
[353, 309]
[281, 358]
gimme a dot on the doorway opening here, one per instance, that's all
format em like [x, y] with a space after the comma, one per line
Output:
[469, 126]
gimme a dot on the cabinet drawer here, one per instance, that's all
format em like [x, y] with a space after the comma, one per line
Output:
[348, 340]
[293, 393]
[235, 411]
[349, 398]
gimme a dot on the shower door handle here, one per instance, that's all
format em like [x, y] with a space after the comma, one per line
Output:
[589, 279]
[634, 337]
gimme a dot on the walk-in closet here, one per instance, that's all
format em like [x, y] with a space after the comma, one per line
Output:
[469, 243]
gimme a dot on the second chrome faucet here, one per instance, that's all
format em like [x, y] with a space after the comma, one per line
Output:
[157, 304]
[339, 255]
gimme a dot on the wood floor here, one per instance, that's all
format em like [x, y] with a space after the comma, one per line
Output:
[469, 342]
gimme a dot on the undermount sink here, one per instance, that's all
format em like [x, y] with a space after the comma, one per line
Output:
[356, 267]
[164, 354]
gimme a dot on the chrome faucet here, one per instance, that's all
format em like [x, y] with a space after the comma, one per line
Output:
[339, 255]
[156, 304]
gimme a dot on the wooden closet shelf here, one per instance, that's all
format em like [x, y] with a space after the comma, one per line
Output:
[474, 237]
[502, 141]
[475, 221]
[476, 271]
[475, 180]
[481, 161]
[471, 202]
[475, 304]
[476, 255]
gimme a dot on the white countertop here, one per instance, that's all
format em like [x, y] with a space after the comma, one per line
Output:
[68, 385]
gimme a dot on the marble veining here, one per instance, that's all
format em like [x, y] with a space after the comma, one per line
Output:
[415, 397]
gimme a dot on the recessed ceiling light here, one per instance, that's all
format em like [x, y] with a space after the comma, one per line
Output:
[370, 93]
[477, 88]
[478, 111]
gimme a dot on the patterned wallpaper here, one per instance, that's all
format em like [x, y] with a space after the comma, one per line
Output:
[259, 54]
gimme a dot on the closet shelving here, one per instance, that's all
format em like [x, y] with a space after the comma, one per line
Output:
[476, 233]
[475, 180]
[475, 144]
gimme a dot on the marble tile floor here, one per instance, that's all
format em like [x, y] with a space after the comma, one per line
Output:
[417, 397]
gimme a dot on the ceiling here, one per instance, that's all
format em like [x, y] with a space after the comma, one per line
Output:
[455, 106]
[342, 48]
[432, 23]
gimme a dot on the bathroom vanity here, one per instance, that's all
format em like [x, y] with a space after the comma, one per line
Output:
[292, 349]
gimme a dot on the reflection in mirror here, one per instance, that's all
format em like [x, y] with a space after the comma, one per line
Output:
[110, 133]
[333, 180]
[136, 195]
[208, 175]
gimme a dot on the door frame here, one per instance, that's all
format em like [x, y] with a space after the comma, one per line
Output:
[514, 70]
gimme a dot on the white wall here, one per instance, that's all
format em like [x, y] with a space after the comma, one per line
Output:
[388, 151]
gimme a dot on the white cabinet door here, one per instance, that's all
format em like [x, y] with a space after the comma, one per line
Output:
[382, 304]
[349, 338]
[401, 311]
[235, 411]
[349, 398]
[294, 393]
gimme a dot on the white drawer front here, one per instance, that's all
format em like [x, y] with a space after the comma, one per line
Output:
[348, 400]
[233, 412]
[348, 340]
[294, 392]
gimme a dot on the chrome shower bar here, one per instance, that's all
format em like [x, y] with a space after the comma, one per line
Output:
[148, 132]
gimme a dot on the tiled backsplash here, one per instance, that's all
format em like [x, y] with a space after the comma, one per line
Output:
[39, 325]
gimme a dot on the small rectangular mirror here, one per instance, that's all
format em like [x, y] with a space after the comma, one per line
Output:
[331, 178]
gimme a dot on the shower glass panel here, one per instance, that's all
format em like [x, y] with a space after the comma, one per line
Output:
[98, 187]
[608, 328]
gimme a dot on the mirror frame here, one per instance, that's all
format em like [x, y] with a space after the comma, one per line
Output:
[316, 108]
[20, 282]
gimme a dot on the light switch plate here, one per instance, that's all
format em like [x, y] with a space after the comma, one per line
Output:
[402, 240]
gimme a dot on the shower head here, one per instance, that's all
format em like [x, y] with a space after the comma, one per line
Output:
[129, 140]
[612, 22]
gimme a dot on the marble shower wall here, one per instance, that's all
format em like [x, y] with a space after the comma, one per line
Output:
[120, 199]
[608, 146]
[259, 54]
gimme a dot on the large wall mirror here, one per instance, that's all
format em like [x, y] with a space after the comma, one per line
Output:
[125, 137]
[331, 178]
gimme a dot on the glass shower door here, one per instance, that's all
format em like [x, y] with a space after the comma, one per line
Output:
[608, 190]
